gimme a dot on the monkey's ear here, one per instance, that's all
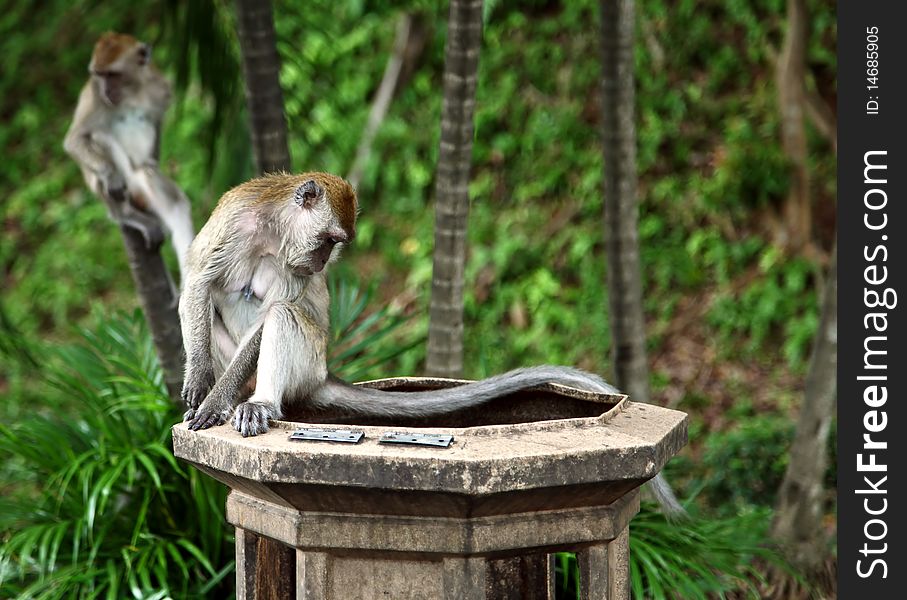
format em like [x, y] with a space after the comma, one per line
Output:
[144, 54]
[308, 194]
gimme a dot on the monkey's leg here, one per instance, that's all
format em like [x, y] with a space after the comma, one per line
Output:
[171, 205]
[292, 362]
[219, 403]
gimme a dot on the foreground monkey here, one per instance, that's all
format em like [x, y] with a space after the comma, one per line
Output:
[255, 302]
[114, 137]
[254, 313]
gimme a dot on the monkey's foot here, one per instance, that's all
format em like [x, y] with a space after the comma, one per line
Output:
[147, 226]
[203, 418]
[251, 418]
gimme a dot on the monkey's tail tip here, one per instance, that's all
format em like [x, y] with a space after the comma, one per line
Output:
[667, 500]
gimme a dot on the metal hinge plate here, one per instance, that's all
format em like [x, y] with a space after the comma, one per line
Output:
[311, 434]
[416, 439]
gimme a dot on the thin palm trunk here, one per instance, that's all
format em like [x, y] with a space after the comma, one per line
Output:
[461, 63]
[621, 209]
[155, 290]
[264, 97]
[791, 82]
[799, 510]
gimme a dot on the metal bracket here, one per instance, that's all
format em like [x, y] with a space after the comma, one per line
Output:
[416, 439]
[311, 434]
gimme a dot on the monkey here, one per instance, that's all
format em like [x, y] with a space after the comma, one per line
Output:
[115, 137]
[254, 316]
[255, 302]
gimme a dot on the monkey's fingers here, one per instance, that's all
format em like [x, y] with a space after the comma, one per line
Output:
[206, 418]
[251, 418]
[151, 233]
[189, 415]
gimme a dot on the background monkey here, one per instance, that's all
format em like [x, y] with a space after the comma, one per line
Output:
[115, 136]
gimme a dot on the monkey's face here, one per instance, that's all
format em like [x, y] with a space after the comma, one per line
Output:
[117, 66]
[316, 230]
[111, 87]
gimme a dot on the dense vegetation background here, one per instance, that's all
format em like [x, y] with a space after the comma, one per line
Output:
[731, 312]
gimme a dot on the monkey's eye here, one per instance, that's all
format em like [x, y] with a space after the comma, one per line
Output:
[144, 53]
[308, 193]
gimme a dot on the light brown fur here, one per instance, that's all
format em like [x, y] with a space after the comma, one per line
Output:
[110, 47]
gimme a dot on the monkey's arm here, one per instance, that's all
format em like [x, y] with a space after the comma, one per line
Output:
[78, 142]
[196, 319]
[223, 396]
[81, 145]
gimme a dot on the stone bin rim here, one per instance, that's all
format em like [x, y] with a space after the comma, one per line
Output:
[629, 442]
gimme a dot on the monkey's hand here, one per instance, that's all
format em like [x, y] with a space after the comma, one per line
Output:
[115, 191]
[251, 418]
[146, 225]
[207, 415]
[214, 410]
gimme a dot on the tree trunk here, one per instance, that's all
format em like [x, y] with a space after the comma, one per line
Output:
[628, 333]
[155, 289]
[799, 510]
[261, 71]
[791, 82]
[461, 63]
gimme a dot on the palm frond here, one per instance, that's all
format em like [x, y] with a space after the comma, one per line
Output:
[102, 508]
[362, 340]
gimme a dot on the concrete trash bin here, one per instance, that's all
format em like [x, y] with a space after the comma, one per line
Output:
[544, 470]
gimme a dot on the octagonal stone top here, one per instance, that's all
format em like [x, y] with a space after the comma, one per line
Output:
[544, 438]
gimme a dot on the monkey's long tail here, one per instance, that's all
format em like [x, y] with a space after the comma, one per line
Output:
[363, 400]
[374, 402]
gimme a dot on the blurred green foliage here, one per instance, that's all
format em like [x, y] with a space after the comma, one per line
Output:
[709, 161]
[692, 560]
[744, 466]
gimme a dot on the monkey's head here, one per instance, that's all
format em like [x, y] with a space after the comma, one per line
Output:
[117, 66]
[316, 216]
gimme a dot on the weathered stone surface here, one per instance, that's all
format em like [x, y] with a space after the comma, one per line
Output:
[498, 535]
[622, 448]
[605, 569]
